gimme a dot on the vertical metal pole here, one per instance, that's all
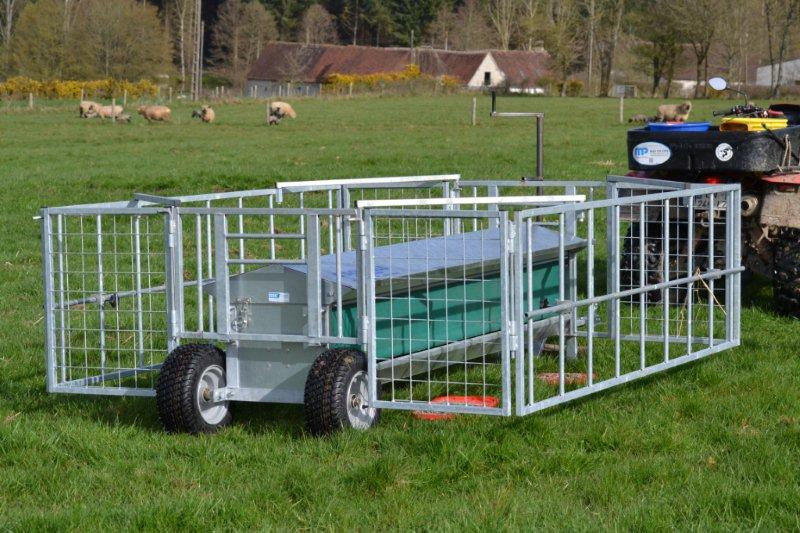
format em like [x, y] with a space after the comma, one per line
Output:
[590, 294]
[49, 317]
[200, 278]
[61, 294]
[173, 279]
[540, 146]
[344, 203]
[100, 295]
[506, 243]
[519, 319]
[313, 282]
[221, 275]
[137, 252]
[666, 273]
[561, 295]
[690, 272]
[572, 265]
[240, 204]
[615, 309]
[711, 295]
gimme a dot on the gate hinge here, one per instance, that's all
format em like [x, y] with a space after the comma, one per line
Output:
[171, 240]
[364, 328]
[512, 234]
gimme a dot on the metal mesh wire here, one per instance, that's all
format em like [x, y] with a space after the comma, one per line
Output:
[110, 305]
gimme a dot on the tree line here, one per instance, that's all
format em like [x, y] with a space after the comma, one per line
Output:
[596, 41]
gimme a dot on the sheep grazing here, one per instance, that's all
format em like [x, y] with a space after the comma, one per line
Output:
[104, 111]
[155, 113]
[86, 107]
[206, 114]
[641, 119]
[674, 112]
[281, 109]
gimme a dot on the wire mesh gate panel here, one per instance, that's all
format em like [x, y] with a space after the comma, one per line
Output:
[108, 295]
[672, 295]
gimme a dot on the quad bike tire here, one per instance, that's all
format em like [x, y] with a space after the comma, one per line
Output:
[630, 260]
[335, 393]
[786, 272]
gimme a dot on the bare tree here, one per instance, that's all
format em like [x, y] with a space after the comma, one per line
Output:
[9, 11]
[531, 21]
[779, 19]
[442, 28]
[657, 43]
[296, 63]
[607, 35]
[121, 39]
[317, 26]
[472, 32]
[564, 43]
[697, 22]
[183, 14]
[241, 31]
[503, 15]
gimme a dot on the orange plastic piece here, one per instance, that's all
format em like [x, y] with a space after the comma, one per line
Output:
[477, 401]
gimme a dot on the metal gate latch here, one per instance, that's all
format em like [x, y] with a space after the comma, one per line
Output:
[240, 314]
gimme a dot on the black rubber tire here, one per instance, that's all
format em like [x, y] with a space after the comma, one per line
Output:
[176, 388]
[786, 272]
[326, 390]
[654, 260]
[630, 260]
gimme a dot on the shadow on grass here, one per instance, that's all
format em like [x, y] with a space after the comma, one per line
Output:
[139, 412]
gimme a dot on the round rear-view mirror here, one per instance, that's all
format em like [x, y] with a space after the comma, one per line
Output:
[718, 84]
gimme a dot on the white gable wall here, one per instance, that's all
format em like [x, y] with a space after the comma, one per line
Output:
[487, 65]
[789, 73]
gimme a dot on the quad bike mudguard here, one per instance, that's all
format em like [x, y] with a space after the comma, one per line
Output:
[712, 151]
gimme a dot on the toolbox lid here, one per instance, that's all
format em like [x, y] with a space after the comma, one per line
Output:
[438, 254]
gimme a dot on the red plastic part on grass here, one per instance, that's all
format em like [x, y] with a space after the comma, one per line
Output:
[477, 401]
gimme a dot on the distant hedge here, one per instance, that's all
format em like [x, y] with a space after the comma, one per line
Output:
[409, 78]
[21, 86]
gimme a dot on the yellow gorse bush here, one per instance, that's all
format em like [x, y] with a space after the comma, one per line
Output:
[340, 82]
[21, 86]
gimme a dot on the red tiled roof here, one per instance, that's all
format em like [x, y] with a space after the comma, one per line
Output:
[522, 69]
[314, 63]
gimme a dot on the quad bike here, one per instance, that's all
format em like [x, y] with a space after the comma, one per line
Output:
[764, 161]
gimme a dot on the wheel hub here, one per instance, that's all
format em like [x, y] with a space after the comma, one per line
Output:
[360, 415]
[212, 379]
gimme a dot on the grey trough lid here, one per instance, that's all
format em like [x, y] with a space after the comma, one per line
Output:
[437, 253]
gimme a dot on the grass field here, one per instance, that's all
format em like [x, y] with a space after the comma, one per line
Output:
[715, 445]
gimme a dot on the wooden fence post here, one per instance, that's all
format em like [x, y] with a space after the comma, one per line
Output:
[114, 110]
[474, 110]
[30, 100]
[622, 109]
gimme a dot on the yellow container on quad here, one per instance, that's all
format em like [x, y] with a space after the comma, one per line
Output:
[752, 124]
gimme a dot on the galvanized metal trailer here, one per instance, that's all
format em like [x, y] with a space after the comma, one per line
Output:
[350, 296]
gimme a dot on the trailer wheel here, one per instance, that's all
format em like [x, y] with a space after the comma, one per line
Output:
[336, 393]
[185, 387]
[786, 284]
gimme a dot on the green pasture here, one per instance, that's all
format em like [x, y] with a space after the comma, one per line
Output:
[711, 446]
